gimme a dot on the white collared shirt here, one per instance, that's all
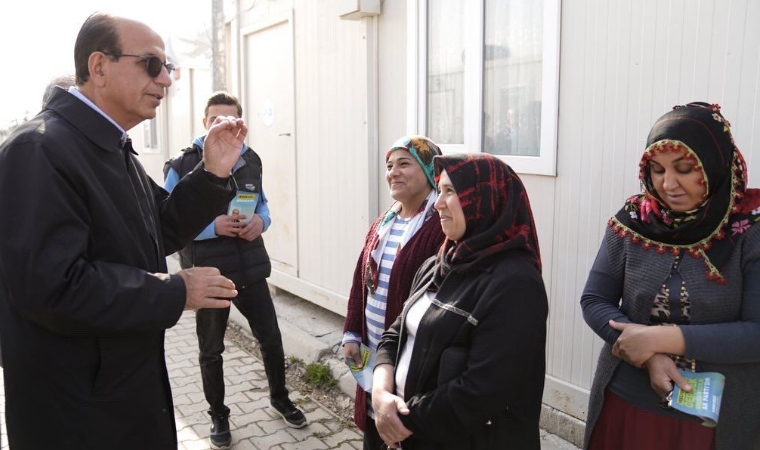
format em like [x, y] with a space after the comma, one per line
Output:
[78, 94]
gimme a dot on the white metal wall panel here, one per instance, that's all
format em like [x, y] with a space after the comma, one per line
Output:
[392, 71]
[331, 133]
[623, 64]
[268, 96]
[332, 140]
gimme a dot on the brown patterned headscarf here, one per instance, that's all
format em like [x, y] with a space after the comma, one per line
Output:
[422, 150]
[712, 230]
[497, 213]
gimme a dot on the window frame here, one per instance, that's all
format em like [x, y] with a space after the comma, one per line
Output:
[151, 141]
[546, 162]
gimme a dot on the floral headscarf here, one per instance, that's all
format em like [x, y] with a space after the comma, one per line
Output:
[422, 149]
[497, 213]
[712, 230]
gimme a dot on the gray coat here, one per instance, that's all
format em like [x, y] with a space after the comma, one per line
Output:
[723, 326]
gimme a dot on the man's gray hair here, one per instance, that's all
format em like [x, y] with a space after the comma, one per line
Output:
[64, 81]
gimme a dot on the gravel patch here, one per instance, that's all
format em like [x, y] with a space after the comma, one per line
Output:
[332, 398]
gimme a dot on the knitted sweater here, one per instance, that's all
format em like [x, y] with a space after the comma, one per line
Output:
[425, 243]
[719, 312]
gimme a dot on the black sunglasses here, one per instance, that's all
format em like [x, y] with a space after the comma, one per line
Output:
[153, 63]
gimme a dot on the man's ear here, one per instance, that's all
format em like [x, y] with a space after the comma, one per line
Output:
[205, 125]
[97, 64]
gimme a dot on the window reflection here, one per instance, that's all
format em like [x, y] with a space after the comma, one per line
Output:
[445, 84]
[512, 77]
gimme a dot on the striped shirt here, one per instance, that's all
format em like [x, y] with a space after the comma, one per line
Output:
[376, 302]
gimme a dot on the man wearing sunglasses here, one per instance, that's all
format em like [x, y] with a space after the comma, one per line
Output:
[84, 293]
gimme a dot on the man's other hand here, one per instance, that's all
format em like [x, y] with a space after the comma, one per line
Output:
[207, 288]
[228, 225]
[253, 229]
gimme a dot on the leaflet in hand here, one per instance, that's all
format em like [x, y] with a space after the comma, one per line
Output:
[363, 375]
[704, 399]
[244, 203]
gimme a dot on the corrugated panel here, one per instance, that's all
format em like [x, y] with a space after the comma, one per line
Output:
[624, 63]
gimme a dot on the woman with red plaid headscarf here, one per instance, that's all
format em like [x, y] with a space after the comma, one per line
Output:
[463, 366]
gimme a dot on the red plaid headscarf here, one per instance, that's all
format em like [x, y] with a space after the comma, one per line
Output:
[496, 209]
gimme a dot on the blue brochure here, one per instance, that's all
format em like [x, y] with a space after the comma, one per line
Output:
[244, 203]
[704, 399]
[363, 375]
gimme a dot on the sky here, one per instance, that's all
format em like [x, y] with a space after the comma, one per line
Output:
[37, 41]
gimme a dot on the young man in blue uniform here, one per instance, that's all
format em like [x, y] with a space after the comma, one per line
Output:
[233, 244]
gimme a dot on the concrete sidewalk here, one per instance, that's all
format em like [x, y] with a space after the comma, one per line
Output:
[309, 333]
[253, 425]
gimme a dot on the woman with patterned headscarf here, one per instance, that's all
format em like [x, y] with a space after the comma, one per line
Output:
[675, 288]
[397, 243]
[463, 366]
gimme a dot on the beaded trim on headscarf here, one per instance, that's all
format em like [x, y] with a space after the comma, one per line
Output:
[669, 145]
[640, 206]
[697, 249]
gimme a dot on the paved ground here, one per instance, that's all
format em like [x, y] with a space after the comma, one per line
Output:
[253, 425]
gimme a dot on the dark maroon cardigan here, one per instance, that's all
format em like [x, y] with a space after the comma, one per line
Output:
[425, 243]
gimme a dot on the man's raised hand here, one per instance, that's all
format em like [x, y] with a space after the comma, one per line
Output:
[221, 148]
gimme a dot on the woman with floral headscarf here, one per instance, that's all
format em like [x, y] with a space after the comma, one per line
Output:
[397, 243]
[676, 285]
[463, 366]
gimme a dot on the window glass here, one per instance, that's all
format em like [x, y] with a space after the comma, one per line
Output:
[445, 71]
[150, 130]
[512, 69]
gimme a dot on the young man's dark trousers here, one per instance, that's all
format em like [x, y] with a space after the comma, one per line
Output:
[255, 303]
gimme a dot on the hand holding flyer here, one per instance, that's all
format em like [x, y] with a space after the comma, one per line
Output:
[244, 203]
[363, 374]
[704, 399]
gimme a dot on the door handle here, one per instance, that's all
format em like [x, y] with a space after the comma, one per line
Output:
[284, 134]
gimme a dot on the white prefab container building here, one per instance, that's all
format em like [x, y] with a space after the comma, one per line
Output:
[564, 91]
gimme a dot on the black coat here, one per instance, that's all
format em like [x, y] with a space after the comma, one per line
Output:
[242, 261]
[83, 302]
[496, 319]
